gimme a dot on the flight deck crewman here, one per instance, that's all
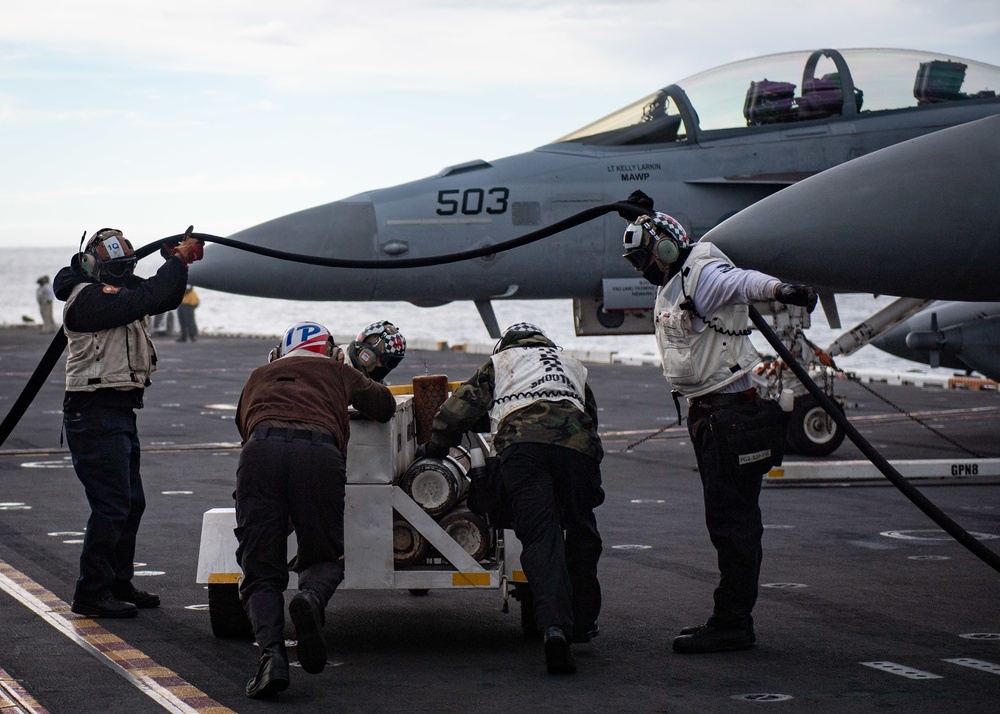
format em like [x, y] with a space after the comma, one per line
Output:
[544, 420]
[701, 331]
[110, 359]
[293, 418]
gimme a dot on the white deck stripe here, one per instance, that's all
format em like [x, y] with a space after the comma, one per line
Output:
[975, 664]
[902, 670]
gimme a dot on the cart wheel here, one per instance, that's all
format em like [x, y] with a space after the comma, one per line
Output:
[522, 593]
[811, 431]
[229, 620]
[419, 592]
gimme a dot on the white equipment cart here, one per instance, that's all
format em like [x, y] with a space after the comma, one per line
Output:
[378, 457]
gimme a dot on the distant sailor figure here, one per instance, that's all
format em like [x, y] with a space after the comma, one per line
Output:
[46, 297]
[293, 418]
[185, 315]
[701, 319]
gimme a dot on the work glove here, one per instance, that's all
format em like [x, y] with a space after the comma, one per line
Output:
[639, 200]
[801, 295]
[431, 450]
[189, 250]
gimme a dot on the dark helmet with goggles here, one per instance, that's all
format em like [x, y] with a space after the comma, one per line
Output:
[378, 349]
[108, 255]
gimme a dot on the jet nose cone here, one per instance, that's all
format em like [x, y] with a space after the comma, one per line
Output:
[342, 229]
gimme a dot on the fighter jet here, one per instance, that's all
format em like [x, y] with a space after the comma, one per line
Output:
[956, 335]
[703, 148]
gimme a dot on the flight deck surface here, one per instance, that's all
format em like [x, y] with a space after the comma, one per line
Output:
[864, 603]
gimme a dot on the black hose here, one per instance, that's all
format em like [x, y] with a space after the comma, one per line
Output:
[626, 210]
[35, 383]
[919, 500]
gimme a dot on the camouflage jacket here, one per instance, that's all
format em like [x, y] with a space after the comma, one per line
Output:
[558, 423]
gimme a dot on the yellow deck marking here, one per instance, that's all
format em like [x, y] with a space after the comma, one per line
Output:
[160, 684]
[14, 699]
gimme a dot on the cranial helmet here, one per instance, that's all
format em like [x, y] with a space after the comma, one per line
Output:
[525, 327]
[305, 336]
[108, 255]
[516, 332]
[378, 349]
[656, 237]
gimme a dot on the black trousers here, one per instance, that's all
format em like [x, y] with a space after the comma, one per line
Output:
[732, 514]
[552, 489]
[282, 479]
[104, 443]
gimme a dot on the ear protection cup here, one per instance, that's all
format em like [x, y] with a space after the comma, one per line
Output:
[88, 264]
[367, 356]
[667, 250]
[88, 261]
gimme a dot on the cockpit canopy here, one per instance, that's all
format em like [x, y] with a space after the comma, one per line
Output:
[792, 87]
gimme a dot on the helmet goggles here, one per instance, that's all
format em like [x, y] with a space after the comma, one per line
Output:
[112, 253]
[638, 246]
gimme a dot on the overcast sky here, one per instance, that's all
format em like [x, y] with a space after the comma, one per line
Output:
[150, 116]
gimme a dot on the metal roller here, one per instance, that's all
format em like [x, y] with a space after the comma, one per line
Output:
[436, 485]
[468, 530]
[409, 547]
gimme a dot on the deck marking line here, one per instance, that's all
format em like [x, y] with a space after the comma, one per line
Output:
[902, 670]
[975, 664]
[160, 684]
[15, 698]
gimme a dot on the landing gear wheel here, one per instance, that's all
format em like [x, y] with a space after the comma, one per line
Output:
[811, 431]
[522, 593]
[229, 619]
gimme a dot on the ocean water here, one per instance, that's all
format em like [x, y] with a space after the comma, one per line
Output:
[455, 323]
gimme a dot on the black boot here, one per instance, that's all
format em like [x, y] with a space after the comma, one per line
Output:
[695, 628]
[586, 634]
[558, 658]
[109, 607]
[272, 673]
[714, 637]
[307, 616]
[140, 598]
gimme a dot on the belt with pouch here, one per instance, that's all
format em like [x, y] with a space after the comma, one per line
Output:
[707, 402]
[316, 437]
[724, 399]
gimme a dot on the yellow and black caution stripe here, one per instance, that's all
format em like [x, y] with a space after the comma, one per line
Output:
[159, 683]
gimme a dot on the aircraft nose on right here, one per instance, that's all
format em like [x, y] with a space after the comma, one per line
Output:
[342, 229]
